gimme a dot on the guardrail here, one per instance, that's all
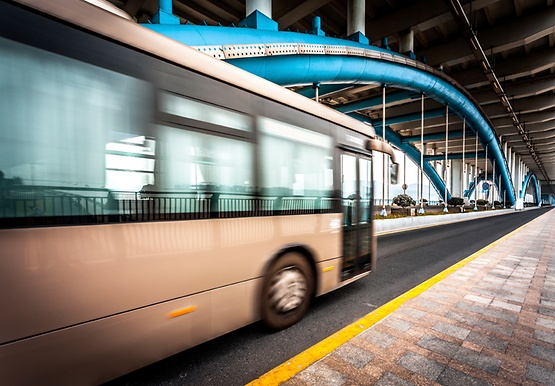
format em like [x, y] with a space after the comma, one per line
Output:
[47, 206]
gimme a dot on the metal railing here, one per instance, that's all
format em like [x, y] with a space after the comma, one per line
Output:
[24, 205]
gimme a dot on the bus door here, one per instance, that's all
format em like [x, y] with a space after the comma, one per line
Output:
[356, 199]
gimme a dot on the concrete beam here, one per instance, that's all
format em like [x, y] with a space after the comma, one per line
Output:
[510, 69]
[513, 34]
[302, 10]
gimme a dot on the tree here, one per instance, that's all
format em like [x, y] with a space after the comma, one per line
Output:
[404, 200]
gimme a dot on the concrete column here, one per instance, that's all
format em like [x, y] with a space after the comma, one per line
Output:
[470, 178]
[406, 42]
[514, 172]
[510, 162]
[263, 6]
[356, 17]
[457, 189]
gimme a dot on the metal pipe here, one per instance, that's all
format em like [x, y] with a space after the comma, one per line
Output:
[486, 174]
[421, 210]
[494, 184]
[463, 164]
[476, 175]
[383, 212]
[446, 151]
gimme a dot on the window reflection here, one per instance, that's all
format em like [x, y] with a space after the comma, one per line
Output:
[190, 160]
[204, 112]
[294, 161]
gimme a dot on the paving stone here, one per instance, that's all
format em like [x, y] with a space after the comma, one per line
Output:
[540, 374]
[515, 291]
[506, 306]
[438, 345]
[511, 297]
[544, 336]
[389, 379]
[478, 299]
[488, 341]
[428, 303]
[492, 313]
[477, 360]
[451, 377]
[543, 353]
[544, 322]
[547, 312]
[321, 374]
[451, 330]
[378, 338]
[398, 324]
[548, 295]
[547, 303]
[421, 365]
[353, 355]
[413, 312]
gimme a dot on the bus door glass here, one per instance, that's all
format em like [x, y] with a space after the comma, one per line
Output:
[356, 198]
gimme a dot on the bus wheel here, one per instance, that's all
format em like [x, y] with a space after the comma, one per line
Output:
[287, 292]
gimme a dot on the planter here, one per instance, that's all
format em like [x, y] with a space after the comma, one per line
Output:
[455, 209]
[404, 211]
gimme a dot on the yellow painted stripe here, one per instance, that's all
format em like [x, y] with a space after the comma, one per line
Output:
[311, 355]
[327, 269]
[182, 311]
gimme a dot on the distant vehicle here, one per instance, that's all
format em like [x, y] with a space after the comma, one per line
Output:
[153, 198]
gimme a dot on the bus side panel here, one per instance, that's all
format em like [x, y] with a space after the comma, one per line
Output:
[52, 278]
[97, 351]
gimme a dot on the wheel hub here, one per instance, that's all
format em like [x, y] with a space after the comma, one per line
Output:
[287, 289]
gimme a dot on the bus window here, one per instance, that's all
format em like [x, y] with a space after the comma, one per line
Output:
[295, 161]
[56, 125]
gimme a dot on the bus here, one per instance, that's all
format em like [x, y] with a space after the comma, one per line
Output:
[153, 197]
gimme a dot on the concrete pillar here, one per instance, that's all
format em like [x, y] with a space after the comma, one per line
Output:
[514, 172]
[356, 17]
[263, 6]
[510, 162]
[466, 176]
[457, 189]
[406, 42]
[470, 178]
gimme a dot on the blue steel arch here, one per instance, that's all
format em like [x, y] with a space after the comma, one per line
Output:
[481, 177]
[531, 177]
[306, 69]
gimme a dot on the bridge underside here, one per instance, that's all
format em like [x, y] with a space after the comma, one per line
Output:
[444, 122]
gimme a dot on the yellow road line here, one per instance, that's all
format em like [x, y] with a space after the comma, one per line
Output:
[311, 355]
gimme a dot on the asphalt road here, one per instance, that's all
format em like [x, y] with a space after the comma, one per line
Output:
[405, 260]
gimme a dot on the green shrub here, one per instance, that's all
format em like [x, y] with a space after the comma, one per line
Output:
[456, 201]
[404, 200]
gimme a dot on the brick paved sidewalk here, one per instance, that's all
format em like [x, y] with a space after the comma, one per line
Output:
[492, 322]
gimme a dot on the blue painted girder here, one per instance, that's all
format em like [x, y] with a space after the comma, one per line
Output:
[294, 70]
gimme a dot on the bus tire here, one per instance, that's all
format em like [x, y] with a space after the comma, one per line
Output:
[287, 291]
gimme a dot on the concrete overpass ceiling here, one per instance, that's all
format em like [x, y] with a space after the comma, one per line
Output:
[517, 38]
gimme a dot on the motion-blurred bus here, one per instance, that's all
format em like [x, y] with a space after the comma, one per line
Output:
[153, 198]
